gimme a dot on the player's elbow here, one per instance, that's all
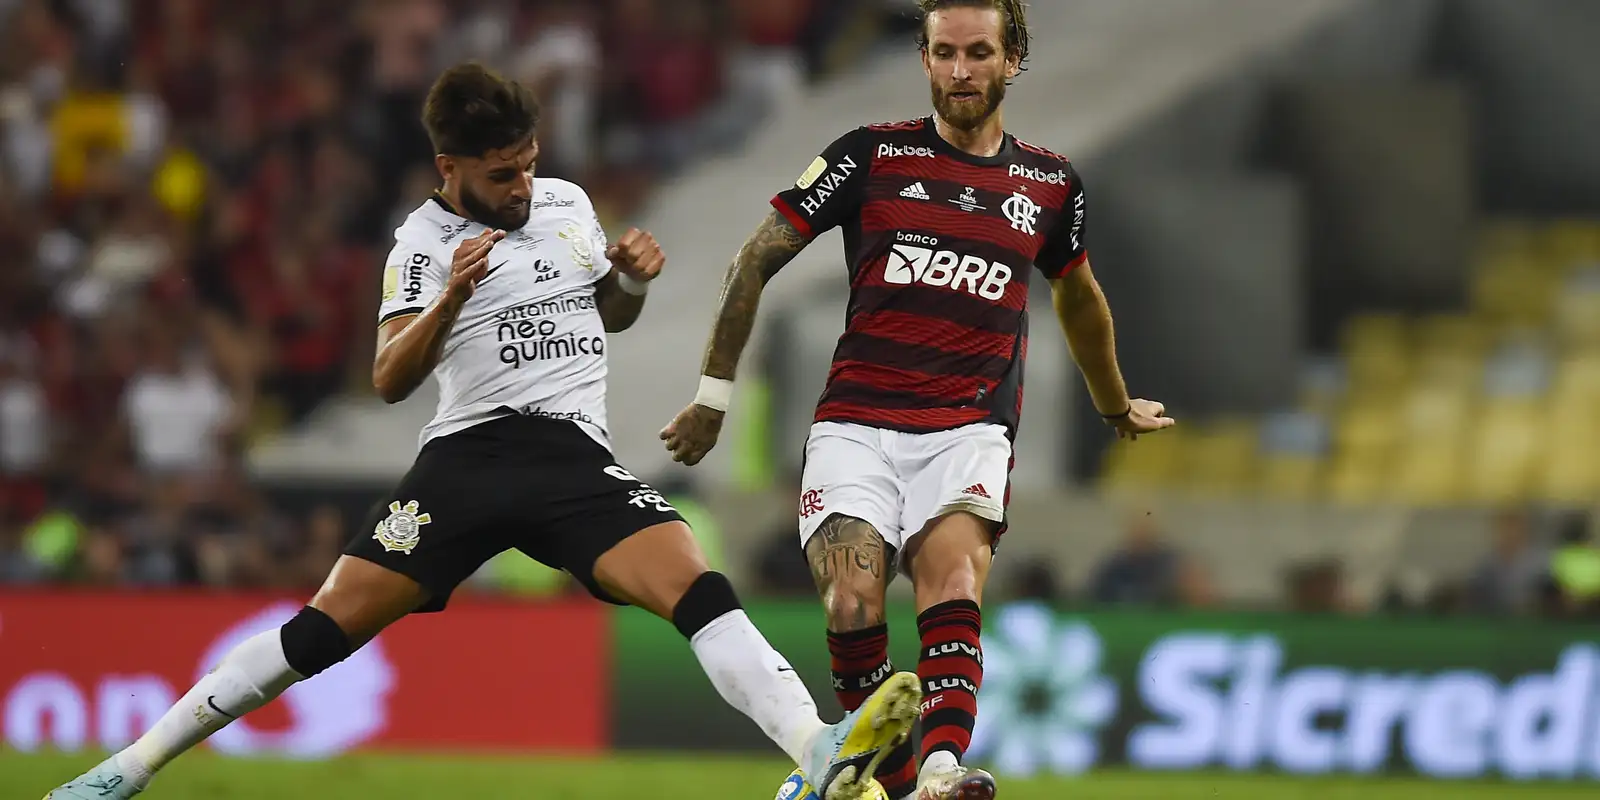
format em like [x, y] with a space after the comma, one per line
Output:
[388, 387]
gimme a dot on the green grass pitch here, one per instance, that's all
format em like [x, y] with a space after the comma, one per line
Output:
[28, 777]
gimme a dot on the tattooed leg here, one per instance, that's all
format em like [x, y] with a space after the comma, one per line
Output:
[850, 564]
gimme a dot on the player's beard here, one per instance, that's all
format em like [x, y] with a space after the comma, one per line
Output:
[968, 115]
[506, 218]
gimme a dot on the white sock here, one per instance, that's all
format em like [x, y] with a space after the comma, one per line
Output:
[249, 677]
[758, 681]
[938, 761]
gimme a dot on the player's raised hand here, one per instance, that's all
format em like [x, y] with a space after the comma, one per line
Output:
[470, 264]
[638, 255]
[692, 434]
[1144, 416]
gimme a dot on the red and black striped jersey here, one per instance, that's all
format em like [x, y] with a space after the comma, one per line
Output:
[939, 244]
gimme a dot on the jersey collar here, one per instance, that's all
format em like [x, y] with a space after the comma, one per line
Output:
[1001, 157]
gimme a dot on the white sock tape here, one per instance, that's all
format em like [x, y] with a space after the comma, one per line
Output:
[631, 286]
[714, 393]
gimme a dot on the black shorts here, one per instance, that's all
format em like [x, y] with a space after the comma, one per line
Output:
[541, 486]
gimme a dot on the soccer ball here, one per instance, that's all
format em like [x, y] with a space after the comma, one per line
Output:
[795, 788]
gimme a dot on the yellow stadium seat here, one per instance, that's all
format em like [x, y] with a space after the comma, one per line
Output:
[1577, 318]
[1569, 242]
[1569, 473]
[1367, 430]
[1220, 459]
[1459, 371]
[1451, 333]
[1428, 474]
[1510, 437]
[1356, 481]
[1515, 292]
[1289, 477]
[1152, 463]
[1374, 332]
[1434, 412]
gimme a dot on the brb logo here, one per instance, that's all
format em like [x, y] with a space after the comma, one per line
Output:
[909, 263]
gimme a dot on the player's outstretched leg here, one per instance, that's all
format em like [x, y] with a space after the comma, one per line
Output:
[851, 565]
[358, 600]
[949, 566]
[662, 570]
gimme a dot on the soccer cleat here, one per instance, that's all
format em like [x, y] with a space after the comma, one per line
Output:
[795, 788]
[961, 783]
[841, 761]
[104, 782]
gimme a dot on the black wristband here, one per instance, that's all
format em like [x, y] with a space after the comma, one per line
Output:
[1118, 416]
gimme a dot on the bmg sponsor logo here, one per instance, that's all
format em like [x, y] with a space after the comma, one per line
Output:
[413, 275]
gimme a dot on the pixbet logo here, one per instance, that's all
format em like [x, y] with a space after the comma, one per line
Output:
[1057, 178]
[893, 150]
[909, 264]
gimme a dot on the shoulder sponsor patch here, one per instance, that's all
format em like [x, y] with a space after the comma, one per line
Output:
[818, 166]
[391, 282]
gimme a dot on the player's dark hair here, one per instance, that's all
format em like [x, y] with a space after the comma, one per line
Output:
[1013, 23]
[471, 110]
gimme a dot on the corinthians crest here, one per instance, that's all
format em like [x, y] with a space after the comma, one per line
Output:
[402, 529]
[582, 251]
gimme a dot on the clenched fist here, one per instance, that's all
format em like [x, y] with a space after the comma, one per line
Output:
[637, 255]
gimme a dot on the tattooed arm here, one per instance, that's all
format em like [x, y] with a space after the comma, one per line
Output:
[774, 244]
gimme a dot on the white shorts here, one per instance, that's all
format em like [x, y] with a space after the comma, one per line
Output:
[898, 482]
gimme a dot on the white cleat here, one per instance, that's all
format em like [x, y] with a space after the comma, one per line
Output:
[845, 755]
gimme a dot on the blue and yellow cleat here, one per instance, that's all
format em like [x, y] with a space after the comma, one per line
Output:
[796, 788]
[846, 754]
[104, 782]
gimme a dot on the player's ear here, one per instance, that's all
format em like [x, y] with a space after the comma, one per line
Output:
[1013, 65]
[927, 64]
[445, 164]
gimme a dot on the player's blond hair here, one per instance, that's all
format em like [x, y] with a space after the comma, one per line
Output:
[1013, 22]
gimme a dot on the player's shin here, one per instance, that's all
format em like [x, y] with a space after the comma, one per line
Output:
[248, 677]
[749, 674]
[951, 669]
[861, 664]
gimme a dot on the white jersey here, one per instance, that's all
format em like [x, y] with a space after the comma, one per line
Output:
[530, 339]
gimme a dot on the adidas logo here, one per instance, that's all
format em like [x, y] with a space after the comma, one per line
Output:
[976, 490]
[915, 192]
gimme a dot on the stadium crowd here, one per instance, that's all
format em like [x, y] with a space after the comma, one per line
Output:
[193, 196]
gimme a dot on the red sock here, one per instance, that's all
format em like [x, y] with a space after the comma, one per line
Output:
[951, 669]
[860, 665]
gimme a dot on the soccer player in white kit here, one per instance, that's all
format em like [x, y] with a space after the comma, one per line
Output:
[504, 287]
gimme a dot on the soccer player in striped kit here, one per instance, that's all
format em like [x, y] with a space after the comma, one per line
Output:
[907, 465]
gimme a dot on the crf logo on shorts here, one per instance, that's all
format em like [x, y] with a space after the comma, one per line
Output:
[810, 502]
[909, 264]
